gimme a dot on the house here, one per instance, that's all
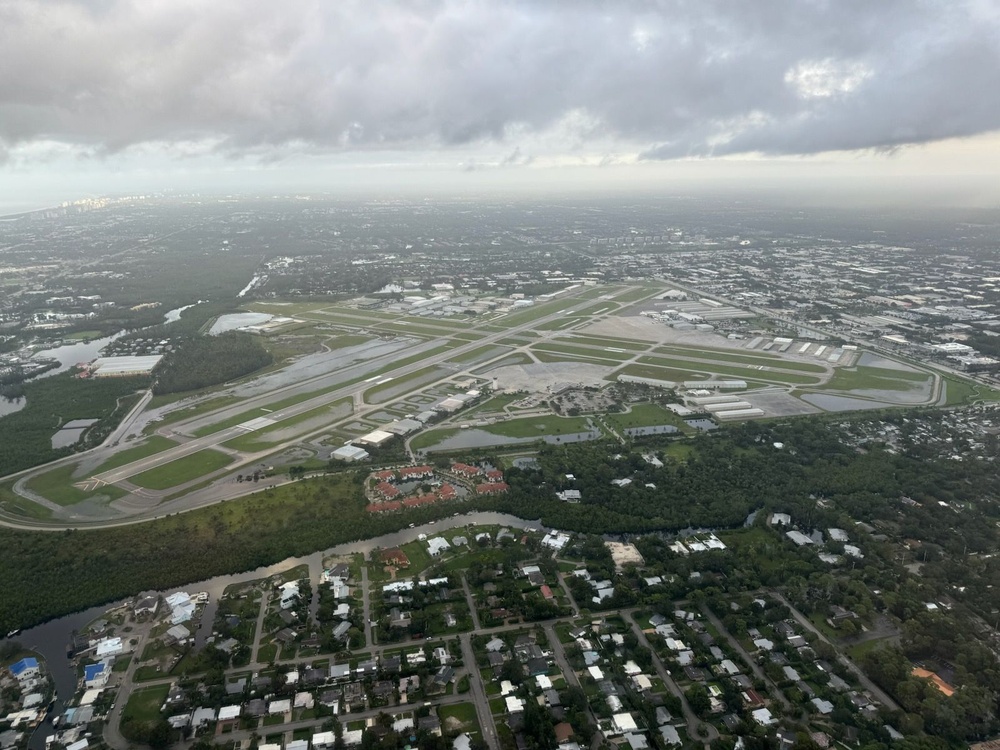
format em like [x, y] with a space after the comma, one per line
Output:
[289, 594]
[437, 546]
[670, 735]
[25, 669]
[109, 647]
[146, 604]
[95, 676]
[763, 717]
[395, 557]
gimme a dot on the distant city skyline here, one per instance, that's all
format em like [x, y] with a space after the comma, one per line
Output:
[125, 97]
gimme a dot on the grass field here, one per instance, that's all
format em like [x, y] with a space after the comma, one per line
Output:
[19, 507]
[627, 344]
[536, 311]
[345, 340]
[645, 415]
[582, 351]
[495, 404]
[659, 373]
[417, 378]
[745, 358]
[252, 441]
[528, 427]
[144, 704]
[561, 324]
[875, 378]
[483, 352]
[459, 717]
[634, 295]
[557, 357]
[153, 444]
[732, 370]
[57, 485]
[182, 470]
[432, 437]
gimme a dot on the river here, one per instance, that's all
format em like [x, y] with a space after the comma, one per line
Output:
[51, 638]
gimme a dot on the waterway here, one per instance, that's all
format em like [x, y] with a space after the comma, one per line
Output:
[69, 355]
[11, 405]
[51, 638]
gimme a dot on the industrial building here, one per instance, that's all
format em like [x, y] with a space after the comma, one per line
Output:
[350, 453]
[123, 367]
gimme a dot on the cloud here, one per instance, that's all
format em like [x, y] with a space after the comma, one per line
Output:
[666, 79]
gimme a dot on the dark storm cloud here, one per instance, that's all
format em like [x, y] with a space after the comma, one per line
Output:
[669, 79]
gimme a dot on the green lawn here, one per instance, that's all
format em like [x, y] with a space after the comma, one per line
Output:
[144, 703]
[958, 391]
[633, 346]
[462, 713]
[431, 437]
[746, 358]
[751, 371]
[182, 470]
[635, 294]
[875, 378]
[57, 485]
[151, 445]
[483, 352]
[418, 378]
[645, 415]
[659, 373]
[538, 426]
[583, 351]
[345, 340]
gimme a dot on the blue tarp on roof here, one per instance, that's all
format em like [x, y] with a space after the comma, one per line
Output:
[19, 667]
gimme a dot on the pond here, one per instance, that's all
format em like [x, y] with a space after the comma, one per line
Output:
[69, 355]
[11, 405]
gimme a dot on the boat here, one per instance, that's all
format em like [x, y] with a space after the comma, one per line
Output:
[16, 631]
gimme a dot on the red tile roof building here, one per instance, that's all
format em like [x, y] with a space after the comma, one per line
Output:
[386, 490]
[492, 488]
[416, 472]
[465, 470]
[384, 507]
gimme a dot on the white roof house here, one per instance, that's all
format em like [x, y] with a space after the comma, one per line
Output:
[437, 546]
[109, 647]
[624, 723]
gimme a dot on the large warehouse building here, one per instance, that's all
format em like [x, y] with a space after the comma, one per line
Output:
[121, 367]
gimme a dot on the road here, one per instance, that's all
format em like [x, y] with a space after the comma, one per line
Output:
[366, 606]
[483, 712]
[738, 648]
[880, 695]
[696, 728]
[471, 604]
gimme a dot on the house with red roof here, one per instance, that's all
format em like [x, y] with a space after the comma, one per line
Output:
[384, 507]
[413, 502]
[386, 490]
[465, 470]
[409, 473]
[492, 488]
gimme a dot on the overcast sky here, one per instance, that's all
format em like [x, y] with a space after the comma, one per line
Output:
[141, 95]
